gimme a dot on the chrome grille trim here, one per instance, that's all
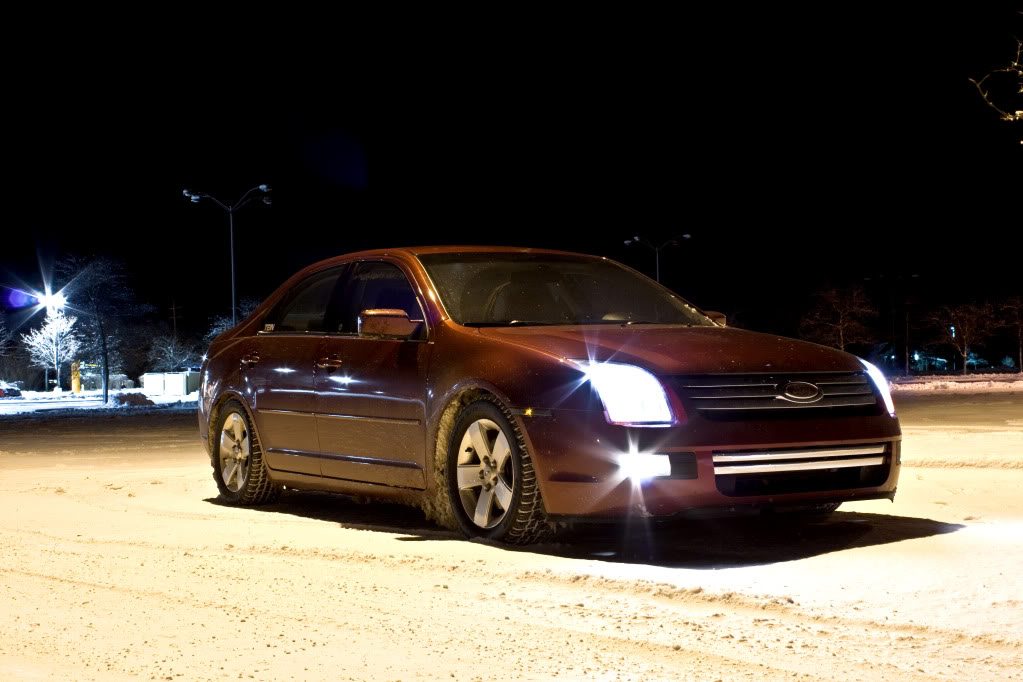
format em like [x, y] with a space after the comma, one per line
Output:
[798, 466]
[799, 454]
[741, 392]
[806, 459]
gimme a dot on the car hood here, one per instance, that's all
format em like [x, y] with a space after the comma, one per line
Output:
[666, 350]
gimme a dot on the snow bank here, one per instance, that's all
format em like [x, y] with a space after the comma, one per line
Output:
[971, 383]
[55, 404]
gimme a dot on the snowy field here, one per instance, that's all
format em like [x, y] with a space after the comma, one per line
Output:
[118, 562]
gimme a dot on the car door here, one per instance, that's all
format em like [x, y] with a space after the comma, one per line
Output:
[281, 368]
[371, 392]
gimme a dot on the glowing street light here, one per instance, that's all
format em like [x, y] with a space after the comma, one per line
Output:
[657, 249]
[248, 197]
[53, 303]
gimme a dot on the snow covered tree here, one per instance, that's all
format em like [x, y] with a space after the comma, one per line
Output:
[838, 317]
[54, 343]
[169, 354]
[1012, 309]
[5, 336]
[222, 323]
[97, 287]
[964, 326]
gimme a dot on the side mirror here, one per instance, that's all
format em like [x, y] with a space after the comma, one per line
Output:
[716, 317]
[386, 323]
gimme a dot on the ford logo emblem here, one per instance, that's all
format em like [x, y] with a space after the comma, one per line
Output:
[801, 392]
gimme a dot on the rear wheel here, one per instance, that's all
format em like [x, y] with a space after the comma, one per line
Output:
[238, 467]
[491, 482]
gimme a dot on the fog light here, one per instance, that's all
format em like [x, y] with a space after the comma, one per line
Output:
[641, 466]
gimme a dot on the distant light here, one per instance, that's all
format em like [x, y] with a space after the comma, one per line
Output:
[195, 199]
[264, 188]
[953, 329]
[916, 356]
[283, 370]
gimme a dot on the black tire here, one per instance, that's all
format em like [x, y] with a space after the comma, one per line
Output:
[525, 520]
[257, 488]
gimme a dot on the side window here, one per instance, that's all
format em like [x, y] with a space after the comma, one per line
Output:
[373, 285]
[304, 307]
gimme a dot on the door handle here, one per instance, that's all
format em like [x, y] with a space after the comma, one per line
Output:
[329, 362]
[250, 359]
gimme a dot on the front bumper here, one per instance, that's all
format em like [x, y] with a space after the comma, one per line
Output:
[576, 456]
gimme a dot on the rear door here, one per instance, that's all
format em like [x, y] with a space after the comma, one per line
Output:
[281, 371]
[371, 392]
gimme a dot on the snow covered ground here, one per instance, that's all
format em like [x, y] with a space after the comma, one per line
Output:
[119, 562]
[39, 401]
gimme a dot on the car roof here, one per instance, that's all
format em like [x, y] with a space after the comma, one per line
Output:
[466, 248]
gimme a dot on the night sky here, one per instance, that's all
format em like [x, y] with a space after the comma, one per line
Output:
[797, 150]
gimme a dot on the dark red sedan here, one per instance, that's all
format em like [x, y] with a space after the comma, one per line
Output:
[503, 390]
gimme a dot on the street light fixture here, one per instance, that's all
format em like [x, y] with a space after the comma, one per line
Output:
[657, 249]
[53, 303]
[247, 198]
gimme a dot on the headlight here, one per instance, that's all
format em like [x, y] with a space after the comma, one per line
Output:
[631, 395]
[881, 381]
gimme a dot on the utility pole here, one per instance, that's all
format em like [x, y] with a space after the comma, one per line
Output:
[656, 249]
[194, 197]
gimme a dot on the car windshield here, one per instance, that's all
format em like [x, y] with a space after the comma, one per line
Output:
[505, 289]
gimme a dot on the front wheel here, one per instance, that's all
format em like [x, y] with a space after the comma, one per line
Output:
[238, 467]
[491, 482]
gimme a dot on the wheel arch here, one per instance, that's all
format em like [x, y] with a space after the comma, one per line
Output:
[435, 503]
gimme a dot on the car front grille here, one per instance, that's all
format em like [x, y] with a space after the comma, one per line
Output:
[790, 470]
[724, 393]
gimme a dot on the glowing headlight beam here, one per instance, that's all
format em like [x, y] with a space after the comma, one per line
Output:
[881, 381]
[631, 395]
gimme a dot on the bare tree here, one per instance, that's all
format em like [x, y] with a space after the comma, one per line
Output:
[964, 326]
[168, 354]
[838, 317]
[54, 343]
[222, 323]
[1015, 67]
[97, 287]
[1012, 309]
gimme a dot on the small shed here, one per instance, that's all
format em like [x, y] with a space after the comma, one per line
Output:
[170, 383]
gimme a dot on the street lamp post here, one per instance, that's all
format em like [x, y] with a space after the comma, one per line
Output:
[231, 208]
[54, 305]
[656, 249]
